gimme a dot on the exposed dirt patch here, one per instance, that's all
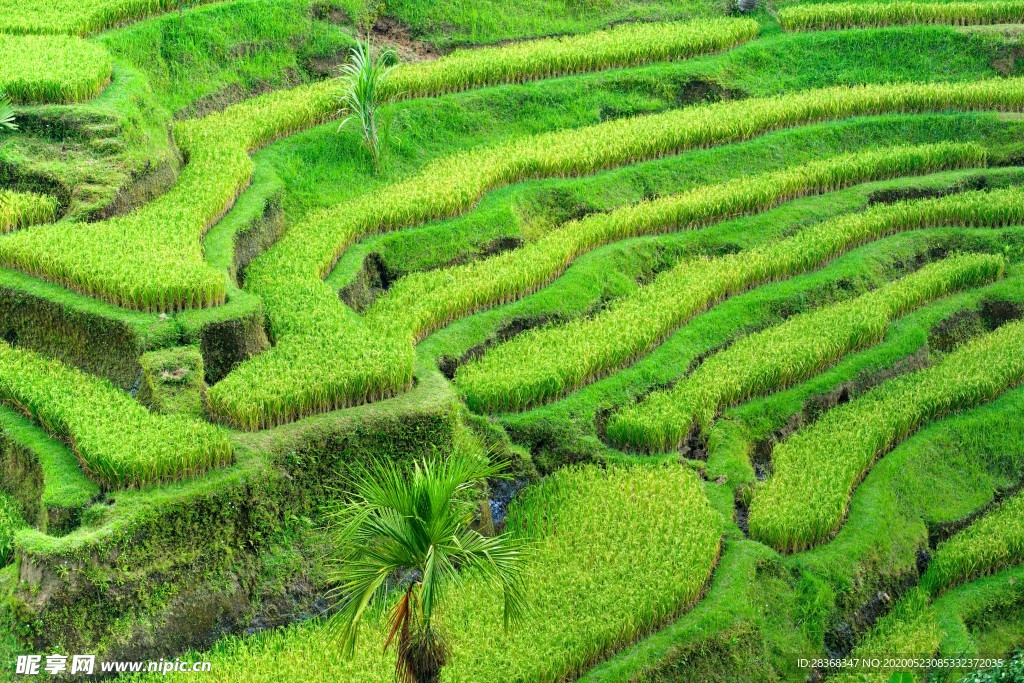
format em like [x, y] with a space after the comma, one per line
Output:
[326, 11]
[374, 278]
[843, 635]
[396, 35]
[742, 511]
[962, 326]
[233, 94]
[700, 91]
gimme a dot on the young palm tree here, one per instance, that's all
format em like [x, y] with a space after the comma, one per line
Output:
[406, 536]
[364, 77]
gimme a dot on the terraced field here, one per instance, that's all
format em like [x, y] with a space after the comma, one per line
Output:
[735, 296]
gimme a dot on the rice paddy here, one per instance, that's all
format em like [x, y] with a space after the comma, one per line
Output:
[716, 309]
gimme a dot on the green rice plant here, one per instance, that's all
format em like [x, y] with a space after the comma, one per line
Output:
[22, 209]
[152, 259]
[616, 553]
[119, 443]
[60, 69]
[78, 18]
[545, 363]
[309, 371]
[910, 631]
[817, 469]
[423, 302]
[625, 45]
[993, 543]
[841, 15]
[791, 352]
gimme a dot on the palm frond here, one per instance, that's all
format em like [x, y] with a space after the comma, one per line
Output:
[7, 114]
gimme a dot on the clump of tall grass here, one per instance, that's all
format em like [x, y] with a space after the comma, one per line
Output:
[817, 469]
[120, 443]
[22, 209]
[841, 15]
[365, 77]
[781, 356]
[616, 553]
[60, 69]
[992, 543]
[305, 312]
[545, 363]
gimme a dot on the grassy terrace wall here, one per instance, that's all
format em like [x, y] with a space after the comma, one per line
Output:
[89, 583]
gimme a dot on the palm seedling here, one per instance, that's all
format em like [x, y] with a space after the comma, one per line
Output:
[406, 538]
[364, 77]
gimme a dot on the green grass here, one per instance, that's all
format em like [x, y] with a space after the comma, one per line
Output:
[118, 441]
[617, 552]
[781, 356]
[817, 469]
[22, 209]
[52, 69]
[80, 18]
[992, 543]
[842, 15]
[66, 491]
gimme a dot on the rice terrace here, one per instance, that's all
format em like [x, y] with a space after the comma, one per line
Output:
[512, 341]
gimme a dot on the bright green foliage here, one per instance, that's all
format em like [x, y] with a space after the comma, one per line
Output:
[616, 552]
[839, 15]
[817, 469]
[119, 442]
[152, 259]
[545, 363]
[625, 45]
[59, 69]
[791, 352]
[425, 301]
[419, 525]
[22, 209]
[77, 16]
[10, 521]
[909, 631]
[325, 358]
[992, 543]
